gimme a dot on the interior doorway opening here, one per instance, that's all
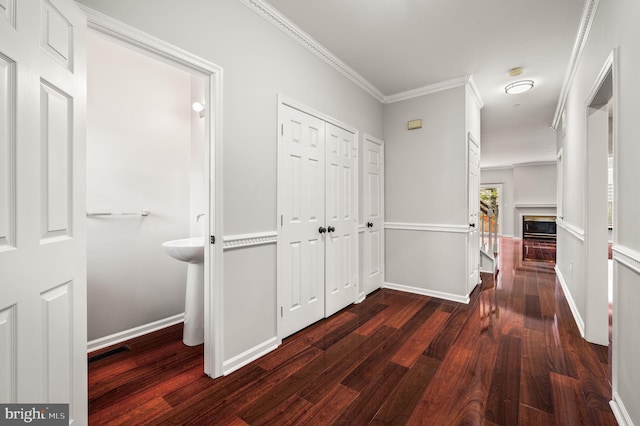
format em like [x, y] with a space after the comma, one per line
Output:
[490, 217]
[209, 77]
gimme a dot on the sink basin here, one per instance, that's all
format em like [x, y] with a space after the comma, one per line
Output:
[187, 249]
[191, 250]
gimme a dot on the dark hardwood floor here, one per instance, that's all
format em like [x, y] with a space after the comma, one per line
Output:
[512, 356]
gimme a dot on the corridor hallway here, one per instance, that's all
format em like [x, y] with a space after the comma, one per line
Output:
[512, 356]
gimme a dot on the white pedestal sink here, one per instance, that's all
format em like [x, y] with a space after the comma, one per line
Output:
[191, 250]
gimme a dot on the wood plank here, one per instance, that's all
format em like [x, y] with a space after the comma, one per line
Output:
[327, 409]
[368, 402]
[535, 384]
[532, 416]
[401, 402]
[418, 342]
[568, 402]
[504, 393]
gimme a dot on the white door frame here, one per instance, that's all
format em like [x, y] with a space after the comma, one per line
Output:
[596, 238]
[281, 102]
[498, 186]
[149, 45]
[363, 287]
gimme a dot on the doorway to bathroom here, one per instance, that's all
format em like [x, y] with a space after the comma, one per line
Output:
[153, 156]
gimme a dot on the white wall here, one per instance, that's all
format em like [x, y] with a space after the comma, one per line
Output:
[615, 26]
[259, 61]
[138, 143]
[426, 187]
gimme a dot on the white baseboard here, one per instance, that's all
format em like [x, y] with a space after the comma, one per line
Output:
[141, 330]
[239, 361]
[425, 292]
[361, 297]
[619, 411]
[572, 304]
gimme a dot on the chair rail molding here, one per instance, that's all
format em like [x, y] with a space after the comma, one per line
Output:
[628, 257]
[429, 227]
[249, 240]
[571, 229]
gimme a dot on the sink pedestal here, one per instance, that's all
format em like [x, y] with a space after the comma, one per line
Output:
[191, 250]
[193, 333]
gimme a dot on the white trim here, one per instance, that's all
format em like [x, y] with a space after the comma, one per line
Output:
[628, 257]
[424, 292]
[534, 206]
[572, 304]
[361, 297]
[281, 22]
[475, 93]
[141, 330]
[495, 168]
[425, 90]
[249, 240]
[212, 73]
[588, 15]
[132, 36]
[430, 227]
[535, 164]
[284, 100]
[571, 229]
[360, 228]
[249, 355]
[619, 411]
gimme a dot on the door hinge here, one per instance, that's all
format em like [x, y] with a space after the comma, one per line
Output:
[282, 130]
[281, 311]
[281, 220]
[212, 239]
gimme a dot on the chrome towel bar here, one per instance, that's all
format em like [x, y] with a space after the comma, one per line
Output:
[140, 213]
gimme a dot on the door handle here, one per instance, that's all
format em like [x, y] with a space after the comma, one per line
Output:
[331, 229]
[473, 225]
[322, 230]
[369, 225]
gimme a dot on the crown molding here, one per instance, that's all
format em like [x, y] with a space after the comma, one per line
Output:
[271, 15]
[425, 90]
[588, 15]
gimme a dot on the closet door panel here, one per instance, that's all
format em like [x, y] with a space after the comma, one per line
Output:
[301, 244]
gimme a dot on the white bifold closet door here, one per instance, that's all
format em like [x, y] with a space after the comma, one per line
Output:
[318, 252]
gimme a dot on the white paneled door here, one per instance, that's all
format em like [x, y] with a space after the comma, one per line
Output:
[474, 216]
[303, 228]
[42, 204]
[317, 248]
[341, 250]
[373, 251]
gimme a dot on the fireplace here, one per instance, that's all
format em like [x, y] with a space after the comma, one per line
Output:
[539, 227]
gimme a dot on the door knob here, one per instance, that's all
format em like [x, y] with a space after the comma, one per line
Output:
[369, 225]
[331, 229]
[473, 225]
[322, 230]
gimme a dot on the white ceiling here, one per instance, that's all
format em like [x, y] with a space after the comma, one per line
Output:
[399, 45]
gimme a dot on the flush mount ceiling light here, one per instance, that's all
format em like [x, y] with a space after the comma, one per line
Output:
[518, 87]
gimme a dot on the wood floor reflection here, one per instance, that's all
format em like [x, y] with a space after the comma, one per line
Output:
[512, 356]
